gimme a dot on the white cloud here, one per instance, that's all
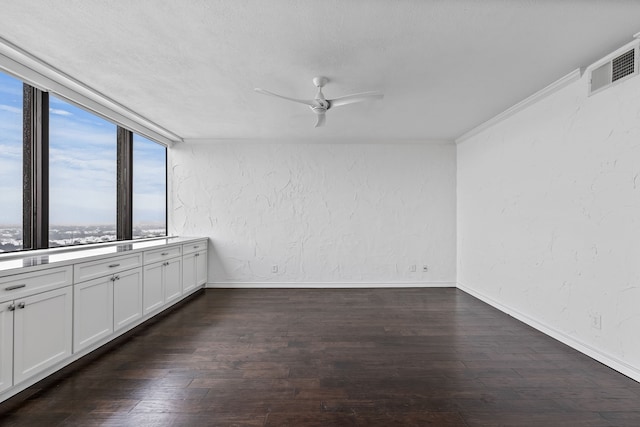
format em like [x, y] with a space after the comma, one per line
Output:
[10, 109]
[12, 151]
[59, 112]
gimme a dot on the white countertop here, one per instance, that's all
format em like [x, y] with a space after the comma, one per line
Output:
[21, 262]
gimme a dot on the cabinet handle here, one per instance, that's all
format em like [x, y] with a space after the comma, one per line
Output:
[117, 278]
[11, 307]
[164, 253]
[196, 247]
[197, 254]
[14, 287]
[114, 265]
[21, 305]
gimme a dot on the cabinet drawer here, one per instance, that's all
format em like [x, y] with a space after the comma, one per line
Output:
[161, 254]
[20, 285]
[189, 248]
[104, 267]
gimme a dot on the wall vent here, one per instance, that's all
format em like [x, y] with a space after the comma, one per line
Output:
[623, 65]
[614, 70]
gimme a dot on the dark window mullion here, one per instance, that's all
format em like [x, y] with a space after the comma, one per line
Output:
[125, 185]
[35, 168]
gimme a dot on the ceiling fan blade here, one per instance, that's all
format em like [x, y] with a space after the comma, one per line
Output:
[301, 101]
[321, 120]
[356, 97]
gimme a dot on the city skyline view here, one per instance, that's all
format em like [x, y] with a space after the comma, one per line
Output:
[61, 235]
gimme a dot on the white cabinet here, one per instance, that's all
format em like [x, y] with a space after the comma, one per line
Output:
[194, 266]
[107, 297]
[189, 272]
[35, 323]
[162, 283]
[42, 328]
[92, 311]
[127, 298]
[105, 305]
[172, 280]
[194, 271]
[201, 268]
[21, 285]
[55, 309]
[194, 247]
[162, 254]
[105, 267]
[152, 293]
[6, 345]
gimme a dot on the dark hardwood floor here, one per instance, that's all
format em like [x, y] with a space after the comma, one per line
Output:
[375, 357]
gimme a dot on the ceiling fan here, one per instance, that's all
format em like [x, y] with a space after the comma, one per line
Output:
[320, 104]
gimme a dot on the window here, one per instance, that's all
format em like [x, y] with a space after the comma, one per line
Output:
[82, 176]
[10, 163]
[69, 177]
[149, 188]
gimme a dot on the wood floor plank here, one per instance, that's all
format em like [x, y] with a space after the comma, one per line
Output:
[332, 357]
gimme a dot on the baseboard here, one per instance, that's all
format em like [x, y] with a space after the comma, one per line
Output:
[604, 358]
[328, 285]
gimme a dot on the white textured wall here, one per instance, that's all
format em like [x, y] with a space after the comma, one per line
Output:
[325, 213]
[549, 217]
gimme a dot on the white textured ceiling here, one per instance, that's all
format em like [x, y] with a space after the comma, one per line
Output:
[445, 66]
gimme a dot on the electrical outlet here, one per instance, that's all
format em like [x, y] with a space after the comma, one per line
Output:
[596, 320]
[425, 268]
[274, 268]
[412, 268]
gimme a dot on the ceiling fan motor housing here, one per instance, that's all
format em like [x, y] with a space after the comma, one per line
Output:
[322, 106]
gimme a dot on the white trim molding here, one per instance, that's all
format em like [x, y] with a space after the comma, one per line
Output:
[326, 285]
[573, 76]
[38, 73]
[604, 358]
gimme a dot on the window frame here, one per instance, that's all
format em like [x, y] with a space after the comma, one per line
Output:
[124, 185]
[35, 166]
[35, 204]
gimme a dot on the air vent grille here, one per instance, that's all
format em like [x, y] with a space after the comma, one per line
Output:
[614, 69]
[623, 65]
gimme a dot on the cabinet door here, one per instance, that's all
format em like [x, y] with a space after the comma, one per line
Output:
[188, 272]
[92, 311]
[6, 345]
[173, 279]
[201, 268]
[127, 298]
[153, 290]
[42, 332]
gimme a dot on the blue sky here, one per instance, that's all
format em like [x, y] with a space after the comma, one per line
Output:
[10, 150]
[149, 181]
[82, 165]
